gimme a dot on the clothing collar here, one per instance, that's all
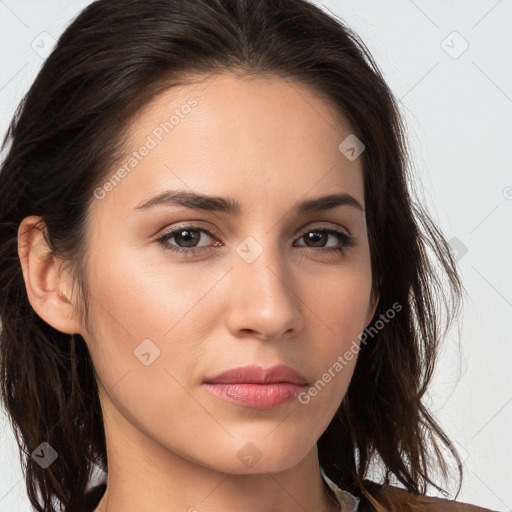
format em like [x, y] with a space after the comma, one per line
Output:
[347, 501]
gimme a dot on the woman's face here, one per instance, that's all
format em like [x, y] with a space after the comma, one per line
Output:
[261, 286]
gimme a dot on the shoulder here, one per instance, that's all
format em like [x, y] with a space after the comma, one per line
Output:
[401, 500]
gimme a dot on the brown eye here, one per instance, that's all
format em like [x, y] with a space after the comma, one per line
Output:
[317, 238]
[186, 239]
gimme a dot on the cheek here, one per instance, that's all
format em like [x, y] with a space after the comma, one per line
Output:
[147, 328]
[144, 313]
[343, 298]
[340, 309]
[146, 299]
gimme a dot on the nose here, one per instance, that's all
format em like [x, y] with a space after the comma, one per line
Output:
[266, 301]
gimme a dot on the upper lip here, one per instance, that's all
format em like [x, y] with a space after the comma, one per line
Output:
[258, 375]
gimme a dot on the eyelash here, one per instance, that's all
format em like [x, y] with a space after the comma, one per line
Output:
[347, 240]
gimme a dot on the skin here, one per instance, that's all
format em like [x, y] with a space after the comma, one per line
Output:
[269, 143]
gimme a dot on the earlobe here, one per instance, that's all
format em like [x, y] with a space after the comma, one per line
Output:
[46, 283]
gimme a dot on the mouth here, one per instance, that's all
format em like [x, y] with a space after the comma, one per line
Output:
[257, 388]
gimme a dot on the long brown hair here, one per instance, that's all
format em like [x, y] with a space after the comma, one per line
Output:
[64, 139]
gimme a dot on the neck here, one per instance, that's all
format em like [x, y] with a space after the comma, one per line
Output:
[143, 476]
[202, 490]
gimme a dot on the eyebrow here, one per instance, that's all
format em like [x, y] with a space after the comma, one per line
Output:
[228, 205]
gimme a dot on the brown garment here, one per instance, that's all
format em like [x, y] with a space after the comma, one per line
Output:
[395, 499]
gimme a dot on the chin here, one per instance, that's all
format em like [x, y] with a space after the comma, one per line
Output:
[257, 454]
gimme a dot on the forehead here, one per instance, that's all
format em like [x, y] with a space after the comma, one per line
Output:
[249, 137]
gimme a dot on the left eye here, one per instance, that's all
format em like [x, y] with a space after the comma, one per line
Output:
[321, 235]
[187, 237]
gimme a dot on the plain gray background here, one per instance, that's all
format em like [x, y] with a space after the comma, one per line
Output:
[449, 64]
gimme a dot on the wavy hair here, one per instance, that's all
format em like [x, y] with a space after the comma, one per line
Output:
[69, 130]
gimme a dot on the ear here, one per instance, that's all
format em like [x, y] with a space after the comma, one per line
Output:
[48, 284]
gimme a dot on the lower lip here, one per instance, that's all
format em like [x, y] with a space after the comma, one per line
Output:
[256, 396]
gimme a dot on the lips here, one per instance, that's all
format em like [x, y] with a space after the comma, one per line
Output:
[259, 375]
[257, 388]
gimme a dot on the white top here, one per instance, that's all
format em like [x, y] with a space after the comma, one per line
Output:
[347, 501]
